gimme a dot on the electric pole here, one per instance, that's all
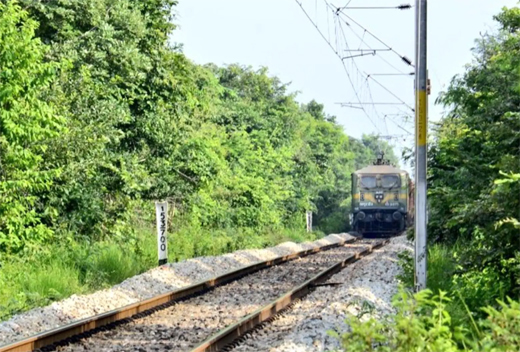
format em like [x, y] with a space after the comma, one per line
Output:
[421, 112]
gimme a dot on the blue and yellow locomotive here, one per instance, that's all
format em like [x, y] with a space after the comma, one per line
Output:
[382, 199]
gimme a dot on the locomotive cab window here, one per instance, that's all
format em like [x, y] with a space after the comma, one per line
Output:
[389, 181]
[368, 182]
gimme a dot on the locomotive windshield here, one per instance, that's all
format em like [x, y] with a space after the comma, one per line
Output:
[368, 182]
[389, 181]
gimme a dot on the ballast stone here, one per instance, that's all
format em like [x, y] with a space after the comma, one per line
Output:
[369, 282]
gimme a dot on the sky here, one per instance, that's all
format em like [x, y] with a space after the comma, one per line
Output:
[279, 35]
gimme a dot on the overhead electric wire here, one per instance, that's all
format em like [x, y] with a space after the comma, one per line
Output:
[372, 99]
[399, 7]
[342, 62]
[337, 47]
[357, 96]
[379, 56]
[372, 103]
[328, 22]
[346, 43]
[380, 84]
[359, 72]
[364, 42]
[389, 91]
[402, 57]
[405, 113]
[354, 64]
[399, 126]
[370, 93]
[392, 74]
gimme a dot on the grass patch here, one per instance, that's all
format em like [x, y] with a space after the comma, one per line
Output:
[441, 264]
[441, 268]
[32, 285]
[52, 281]
[113, 264]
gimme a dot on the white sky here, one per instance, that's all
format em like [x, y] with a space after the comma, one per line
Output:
[278, 35]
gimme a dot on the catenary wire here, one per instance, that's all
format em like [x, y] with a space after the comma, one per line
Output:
[342, 62]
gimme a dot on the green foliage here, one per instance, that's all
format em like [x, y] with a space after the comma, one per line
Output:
[474, 178]
[420, 324]
[26, 123]
[444, 275]
[406, 263]
[423, 323]
[501, 330]
[229, 147]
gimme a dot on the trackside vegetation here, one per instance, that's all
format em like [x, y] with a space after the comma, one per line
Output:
[101, 114]
[474, 196]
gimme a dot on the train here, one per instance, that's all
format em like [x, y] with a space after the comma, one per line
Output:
[382, 200]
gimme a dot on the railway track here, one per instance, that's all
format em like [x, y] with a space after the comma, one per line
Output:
[304, 325]
[228, 338]
[223, 308]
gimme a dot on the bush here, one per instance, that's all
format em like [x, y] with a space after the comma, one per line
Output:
[423, 323]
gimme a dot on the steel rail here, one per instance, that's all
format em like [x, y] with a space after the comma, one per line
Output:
[230, 334]
[74, 331]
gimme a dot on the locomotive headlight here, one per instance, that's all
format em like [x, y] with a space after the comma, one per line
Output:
[361, 216]
[397, 215]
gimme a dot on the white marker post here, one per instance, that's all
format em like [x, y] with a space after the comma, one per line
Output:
[309, 221]
[161, 212]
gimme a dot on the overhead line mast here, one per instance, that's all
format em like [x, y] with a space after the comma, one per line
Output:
[421, 112]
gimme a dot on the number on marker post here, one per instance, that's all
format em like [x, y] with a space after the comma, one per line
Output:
[161, 211]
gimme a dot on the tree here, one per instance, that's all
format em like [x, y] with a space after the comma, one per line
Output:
[26, 123]
[132, 105]
[476, 144]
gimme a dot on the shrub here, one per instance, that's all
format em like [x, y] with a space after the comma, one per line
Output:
[423, 323]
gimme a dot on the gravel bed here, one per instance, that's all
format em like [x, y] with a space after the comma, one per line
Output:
[151, 283]
[186, 324]
[304, 328]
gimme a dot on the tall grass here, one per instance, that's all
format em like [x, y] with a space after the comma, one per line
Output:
[38, 276]
[443, 275]
[441, 268]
